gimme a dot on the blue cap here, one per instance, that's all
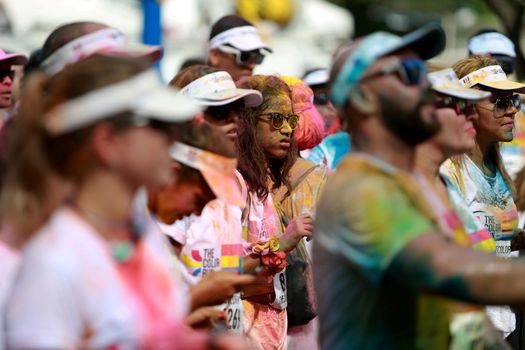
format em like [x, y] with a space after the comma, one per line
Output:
[427, 42]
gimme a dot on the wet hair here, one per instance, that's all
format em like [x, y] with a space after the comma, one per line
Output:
[462, 68]
[254, 165]
[34, 156]
[227, 22]
[191, 73]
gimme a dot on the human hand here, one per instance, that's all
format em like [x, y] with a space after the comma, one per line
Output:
[228, 341]
[301, 226]
[217, 287]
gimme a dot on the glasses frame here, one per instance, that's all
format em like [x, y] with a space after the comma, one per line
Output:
[459, 105]
[255, 56]
[400, 66]
[279, 126]
[499, 112]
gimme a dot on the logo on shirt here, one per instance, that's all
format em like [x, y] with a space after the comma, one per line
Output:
[203, 261]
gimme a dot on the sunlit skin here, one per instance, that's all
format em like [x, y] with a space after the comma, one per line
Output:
[276, 143]
[493, 126]
[227, 62]
[226, 125]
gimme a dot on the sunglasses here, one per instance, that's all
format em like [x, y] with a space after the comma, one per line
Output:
[6, 70]
[501, 104]
[277, 120]
[460, 106]
[243, 57]
[223, 112]
[411, 71]
[321, 98]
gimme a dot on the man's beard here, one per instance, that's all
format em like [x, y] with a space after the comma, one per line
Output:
[408, 125]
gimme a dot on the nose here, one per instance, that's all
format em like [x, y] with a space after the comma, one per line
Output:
[472, 114]
[286, 129]
[7, 80]
[233, 117]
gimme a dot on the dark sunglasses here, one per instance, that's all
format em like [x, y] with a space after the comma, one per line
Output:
[321, 98]
[460, 106]
[223, 112]
[411, 71]
[501, 104]
[243, 57]
[6, 70]
[277, 120]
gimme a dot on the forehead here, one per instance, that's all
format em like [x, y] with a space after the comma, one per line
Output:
[278, 103]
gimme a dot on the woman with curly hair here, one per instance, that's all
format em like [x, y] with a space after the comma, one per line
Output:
[267, 152]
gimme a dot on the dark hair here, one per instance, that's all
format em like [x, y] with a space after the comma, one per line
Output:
[66, 33]
[254, 165]
[191, 73]
[33, 64]
[227, 22]
[33, 156]
[191, 62]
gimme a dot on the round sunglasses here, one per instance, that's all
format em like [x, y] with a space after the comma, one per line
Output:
[277, 120]
[460, 106]
[502, 103]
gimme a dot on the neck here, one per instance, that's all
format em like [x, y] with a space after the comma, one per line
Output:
[428, 160]
[378, 142]
[480, 155]
[105, 200]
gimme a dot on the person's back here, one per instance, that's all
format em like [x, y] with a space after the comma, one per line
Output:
[360, 306]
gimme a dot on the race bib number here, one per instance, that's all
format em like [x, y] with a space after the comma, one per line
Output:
[279, 286]
[503, 249]
[233, 309]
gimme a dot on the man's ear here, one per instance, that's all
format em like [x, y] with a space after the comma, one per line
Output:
[213, 57]
[360, 100]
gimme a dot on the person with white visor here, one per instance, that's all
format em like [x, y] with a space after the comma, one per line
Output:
[235, 45]
[106, 125]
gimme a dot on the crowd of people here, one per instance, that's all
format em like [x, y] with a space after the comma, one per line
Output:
[367, 205]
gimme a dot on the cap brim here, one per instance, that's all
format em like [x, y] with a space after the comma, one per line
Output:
[225, 186]
[461, 92]
[15, 59]
[428, 41]
[505, 85]
[135, 50]
[251, 98]
[167, 105]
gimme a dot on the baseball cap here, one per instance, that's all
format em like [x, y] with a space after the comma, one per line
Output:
[218, 171]
[491, 77]
[493, 43]
[144, 95]
[427, 42]
[316, 77]
[244, 38]
[107, 42]
[446, 81]
[218, 89]
[13, 58]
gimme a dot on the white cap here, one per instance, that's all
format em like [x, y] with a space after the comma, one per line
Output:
[246, 38]
[107, 41]
[446, 82]
[218, 89]
[143, 95]
[317, 77]
[493, 43]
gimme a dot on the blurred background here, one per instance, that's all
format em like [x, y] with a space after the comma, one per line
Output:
[303, 33]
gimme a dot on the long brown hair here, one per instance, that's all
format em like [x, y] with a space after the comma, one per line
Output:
[36, 159]
[462, 68]
[254, 165]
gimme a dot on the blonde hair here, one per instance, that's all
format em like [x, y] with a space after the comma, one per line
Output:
[462, 68]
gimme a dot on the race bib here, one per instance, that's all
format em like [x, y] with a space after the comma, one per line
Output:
[233, 310]
[279, 286]
[503, 249]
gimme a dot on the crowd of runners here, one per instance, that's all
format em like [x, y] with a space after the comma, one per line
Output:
[372, 204]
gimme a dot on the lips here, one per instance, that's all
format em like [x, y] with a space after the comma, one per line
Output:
[508, 125]
[285, 143]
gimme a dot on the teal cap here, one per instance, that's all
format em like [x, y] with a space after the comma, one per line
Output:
[427, 42]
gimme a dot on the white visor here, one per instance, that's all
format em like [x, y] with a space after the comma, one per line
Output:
[446, 82]
[493, 43]
[143, 95]
[107, 41]
[317, 77]
[218, 89]
[244, 38]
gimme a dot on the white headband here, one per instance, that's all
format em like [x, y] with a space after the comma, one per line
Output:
[227, 36]
[96, 105]
[84, 46]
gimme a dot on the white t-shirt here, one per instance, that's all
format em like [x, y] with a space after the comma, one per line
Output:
[9, 261]
[68, 293]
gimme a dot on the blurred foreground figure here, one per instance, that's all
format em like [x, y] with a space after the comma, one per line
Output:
[379, 238]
